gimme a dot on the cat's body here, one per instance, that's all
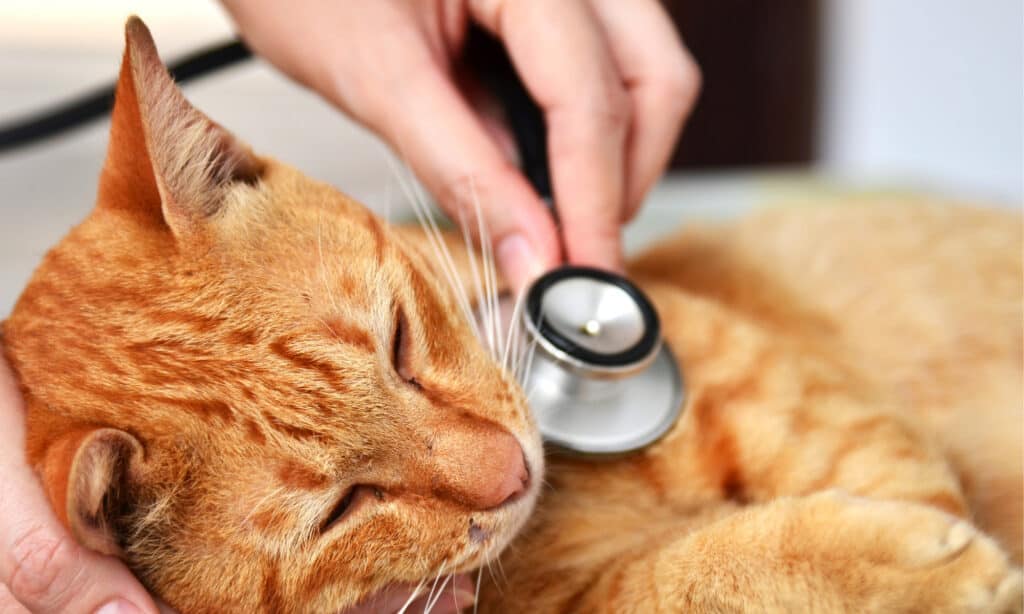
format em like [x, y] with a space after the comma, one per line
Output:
[873, 348]
[225, 348]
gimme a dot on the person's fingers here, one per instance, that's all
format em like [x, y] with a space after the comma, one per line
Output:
[663, 81]
[560, 50]
[8, 604]
[394, 77]
[40, 563]
[433, 128]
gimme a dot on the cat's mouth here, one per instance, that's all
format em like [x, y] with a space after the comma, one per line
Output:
[491, 531]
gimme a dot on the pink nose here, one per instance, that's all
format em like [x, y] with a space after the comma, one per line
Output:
[515, 477]
[480, 470]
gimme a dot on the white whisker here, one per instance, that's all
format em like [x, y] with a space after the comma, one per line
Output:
[476, 594]
[440, 592]
[433, 587]
[487, 254]
[468, 240]
[323, 263]
[501, 570]
[524, 373]
[388, 195]
[513, 328]
[421, 209]
[494, 580]
[460, 290]
[412, 597]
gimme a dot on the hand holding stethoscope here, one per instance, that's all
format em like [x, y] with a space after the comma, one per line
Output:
[602, 380]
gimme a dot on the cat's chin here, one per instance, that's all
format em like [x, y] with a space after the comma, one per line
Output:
[490, 532]
[447, 596]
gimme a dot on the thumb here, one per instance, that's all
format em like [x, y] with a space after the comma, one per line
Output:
[40, 563]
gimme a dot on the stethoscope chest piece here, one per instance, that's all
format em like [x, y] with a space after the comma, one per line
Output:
[601, 381]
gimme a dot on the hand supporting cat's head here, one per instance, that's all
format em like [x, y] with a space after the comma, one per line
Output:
[250, 389]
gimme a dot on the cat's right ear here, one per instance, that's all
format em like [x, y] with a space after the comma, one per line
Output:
[167, 163]
[91, 476]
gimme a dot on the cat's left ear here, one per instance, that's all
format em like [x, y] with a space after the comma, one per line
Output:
[91, 476]
[167, 163]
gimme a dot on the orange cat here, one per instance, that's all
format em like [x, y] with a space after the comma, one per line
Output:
[263, 399]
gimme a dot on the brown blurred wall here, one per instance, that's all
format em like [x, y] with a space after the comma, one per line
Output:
[760, 62]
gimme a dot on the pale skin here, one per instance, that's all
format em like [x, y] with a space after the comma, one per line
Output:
[391, 65]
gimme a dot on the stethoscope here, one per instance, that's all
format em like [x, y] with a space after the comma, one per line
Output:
[602, 382]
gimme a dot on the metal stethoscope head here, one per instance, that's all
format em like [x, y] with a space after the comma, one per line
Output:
[601, 381]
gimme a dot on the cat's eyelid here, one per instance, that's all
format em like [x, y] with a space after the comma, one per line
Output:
[400, 349]
[339, 509]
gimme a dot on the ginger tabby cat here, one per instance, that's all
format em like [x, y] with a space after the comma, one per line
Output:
[262, 398]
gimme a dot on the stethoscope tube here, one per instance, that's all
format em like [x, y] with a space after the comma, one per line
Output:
[489, 61]
[97, 104]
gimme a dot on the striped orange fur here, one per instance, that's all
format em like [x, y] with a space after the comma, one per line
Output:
[219, 393]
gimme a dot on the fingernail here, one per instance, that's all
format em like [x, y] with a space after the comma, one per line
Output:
[518, 261]
[118, 606]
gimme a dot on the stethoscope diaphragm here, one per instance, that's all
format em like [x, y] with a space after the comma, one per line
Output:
[601, 380]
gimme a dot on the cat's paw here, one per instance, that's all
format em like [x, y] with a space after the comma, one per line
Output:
[921, 559]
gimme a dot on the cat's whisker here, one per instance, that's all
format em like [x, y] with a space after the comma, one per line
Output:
[433, 587]
[259, 504]
[422, 212]
[522, 372]
[440, 592]
[490, 572]
[448, 261]
[486, 254]
[490, 273]
[494, 580]
[501, 570]
[412, 597]
[476, 593]
[455, 595]
[525, 373]
[424, 205]
[388, 195]
[513, 327]
[323, 262]
[464, 226]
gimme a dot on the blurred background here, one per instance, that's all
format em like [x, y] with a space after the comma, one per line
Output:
[804, 100]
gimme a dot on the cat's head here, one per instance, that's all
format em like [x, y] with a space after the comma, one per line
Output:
[252, 390]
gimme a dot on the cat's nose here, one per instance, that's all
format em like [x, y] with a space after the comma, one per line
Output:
[514, 479]
[481, 471]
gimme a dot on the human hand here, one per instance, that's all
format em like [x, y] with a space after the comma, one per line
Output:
[612, 79]
[42, 568]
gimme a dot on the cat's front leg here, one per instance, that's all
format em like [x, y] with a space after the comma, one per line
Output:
[825, 553]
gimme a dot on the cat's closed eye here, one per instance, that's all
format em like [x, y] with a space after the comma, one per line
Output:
[401, 350]
[343, 506]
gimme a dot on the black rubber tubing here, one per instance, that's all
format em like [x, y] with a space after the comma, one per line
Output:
[97, 103]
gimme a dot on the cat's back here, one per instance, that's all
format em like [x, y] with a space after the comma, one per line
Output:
[924, 298]
[922, 291]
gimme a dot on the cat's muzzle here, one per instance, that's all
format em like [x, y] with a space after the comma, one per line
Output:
[601, 380]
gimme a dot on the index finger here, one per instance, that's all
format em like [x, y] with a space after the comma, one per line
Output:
[561, 53]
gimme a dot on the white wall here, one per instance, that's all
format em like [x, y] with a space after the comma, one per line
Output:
[926, 92]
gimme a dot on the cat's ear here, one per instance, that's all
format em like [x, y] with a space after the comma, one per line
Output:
[167, 163]
[90, 476]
